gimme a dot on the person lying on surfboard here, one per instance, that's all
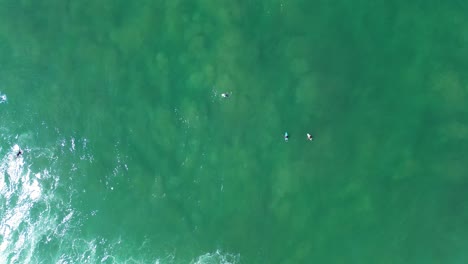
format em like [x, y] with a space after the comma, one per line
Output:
[286, 136]
[225, 95]
[309, 137]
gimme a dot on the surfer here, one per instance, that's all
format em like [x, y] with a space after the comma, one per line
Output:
[19, 153]
[225, 95]
[286, 136]
[309, 137]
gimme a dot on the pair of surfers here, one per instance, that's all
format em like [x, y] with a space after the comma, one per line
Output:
[286, 136]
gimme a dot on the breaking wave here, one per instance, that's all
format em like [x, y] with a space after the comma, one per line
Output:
[38, 223]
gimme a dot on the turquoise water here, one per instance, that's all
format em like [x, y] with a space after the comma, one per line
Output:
[132, 156]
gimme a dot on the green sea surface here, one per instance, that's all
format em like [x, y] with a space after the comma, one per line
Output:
[132, 156]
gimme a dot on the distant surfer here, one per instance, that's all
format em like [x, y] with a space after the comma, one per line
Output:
[286, 136]
[225, 95]
[19, 153]
[309, 137]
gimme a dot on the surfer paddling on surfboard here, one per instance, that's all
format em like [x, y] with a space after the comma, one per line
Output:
[286, 136]
[17, 150]
[309, 137]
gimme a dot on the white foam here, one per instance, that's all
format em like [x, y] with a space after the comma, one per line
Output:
[20, 191]
[72, 145]
[32, 215]
[3, 98]
[15, 148]
[20, 195]
[217, 257]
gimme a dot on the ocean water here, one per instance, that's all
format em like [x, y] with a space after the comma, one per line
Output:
[131, 155]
